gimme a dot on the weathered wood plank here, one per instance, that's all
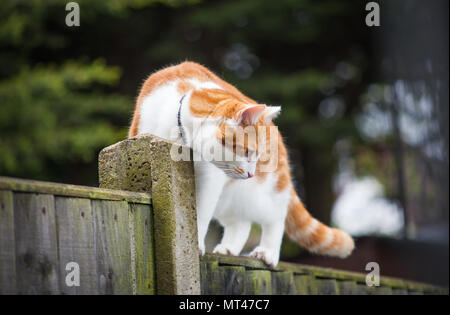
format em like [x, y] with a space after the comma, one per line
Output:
[76, 243]
[347, 287]
[383, 290]
[380, 290]
[141, 224]
[233, 277]
[399, 292]
[7, 244]
[57, 189]
[305, 285]
[258, 282]
[327, 287]
[415, 293]
[283, 283]
[113, 247]
[435, 291]
[204, 278]
[366, 290]
[36, 245]
[362, 289]
[215, 280]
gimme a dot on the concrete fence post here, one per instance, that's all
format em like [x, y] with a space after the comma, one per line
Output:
[143, 164]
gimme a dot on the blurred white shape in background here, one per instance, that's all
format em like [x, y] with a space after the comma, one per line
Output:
[362, 209]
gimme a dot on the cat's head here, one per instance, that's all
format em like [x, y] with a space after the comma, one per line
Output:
[239, 140]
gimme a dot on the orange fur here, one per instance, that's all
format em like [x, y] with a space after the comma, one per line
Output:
[184, 87]
[183, 71]
[299, 219]
[215, 103]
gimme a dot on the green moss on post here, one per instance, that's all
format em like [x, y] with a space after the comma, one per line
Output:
[144, 164]
[176, 245]
[126, 165]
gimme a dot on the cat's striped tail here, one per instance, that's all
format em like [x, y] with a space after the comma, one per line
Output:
[314, 235]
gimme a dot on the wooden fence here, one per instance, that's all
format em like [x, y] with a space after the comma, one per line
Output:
[43, 227]
[242, 275]
[137, 234]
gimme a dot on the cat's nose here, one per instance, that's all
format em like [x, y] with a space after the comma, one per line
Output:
[250, 175]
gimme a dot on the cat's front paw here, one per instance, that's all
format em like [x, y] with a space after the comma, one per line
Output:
[269, 257]
[222, 249]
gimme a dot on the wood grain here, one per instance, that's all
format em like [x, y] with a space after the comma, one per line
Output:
[37, 266]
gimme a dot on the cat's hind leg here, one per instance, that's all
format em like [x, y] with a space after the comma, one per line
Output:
[235, 236]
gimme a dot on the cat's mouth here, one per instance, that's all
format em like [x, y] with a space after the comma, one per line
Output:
[240, 171]
[234, 172]
[236, 175]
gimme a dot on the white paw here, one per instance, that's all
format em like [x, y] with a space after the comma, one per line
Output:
[269, 257]
[222, 249]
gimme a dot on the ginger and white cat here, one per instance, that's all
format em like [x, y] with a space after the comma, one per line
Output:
[237, 192]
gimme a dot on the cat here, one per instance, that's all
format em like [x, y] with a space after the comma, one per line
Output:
[239, 192]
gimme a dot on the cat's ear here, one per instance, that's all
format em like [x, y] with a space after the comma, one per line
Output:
[270, 113]
[250, 115]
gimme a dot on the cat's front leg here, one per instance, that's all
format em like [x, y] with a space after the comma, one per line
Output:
[235, 236]
[209, 183]
[269, 247]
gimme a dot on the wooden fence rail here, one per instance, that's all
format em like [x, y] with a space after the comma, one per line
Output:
[242, 275]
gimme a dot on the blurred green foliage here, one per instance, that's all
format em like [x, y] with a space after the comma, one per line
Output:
[58, 115]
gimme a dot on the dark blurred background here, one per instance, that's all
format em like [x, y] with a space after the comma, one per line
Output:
[365, 109]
